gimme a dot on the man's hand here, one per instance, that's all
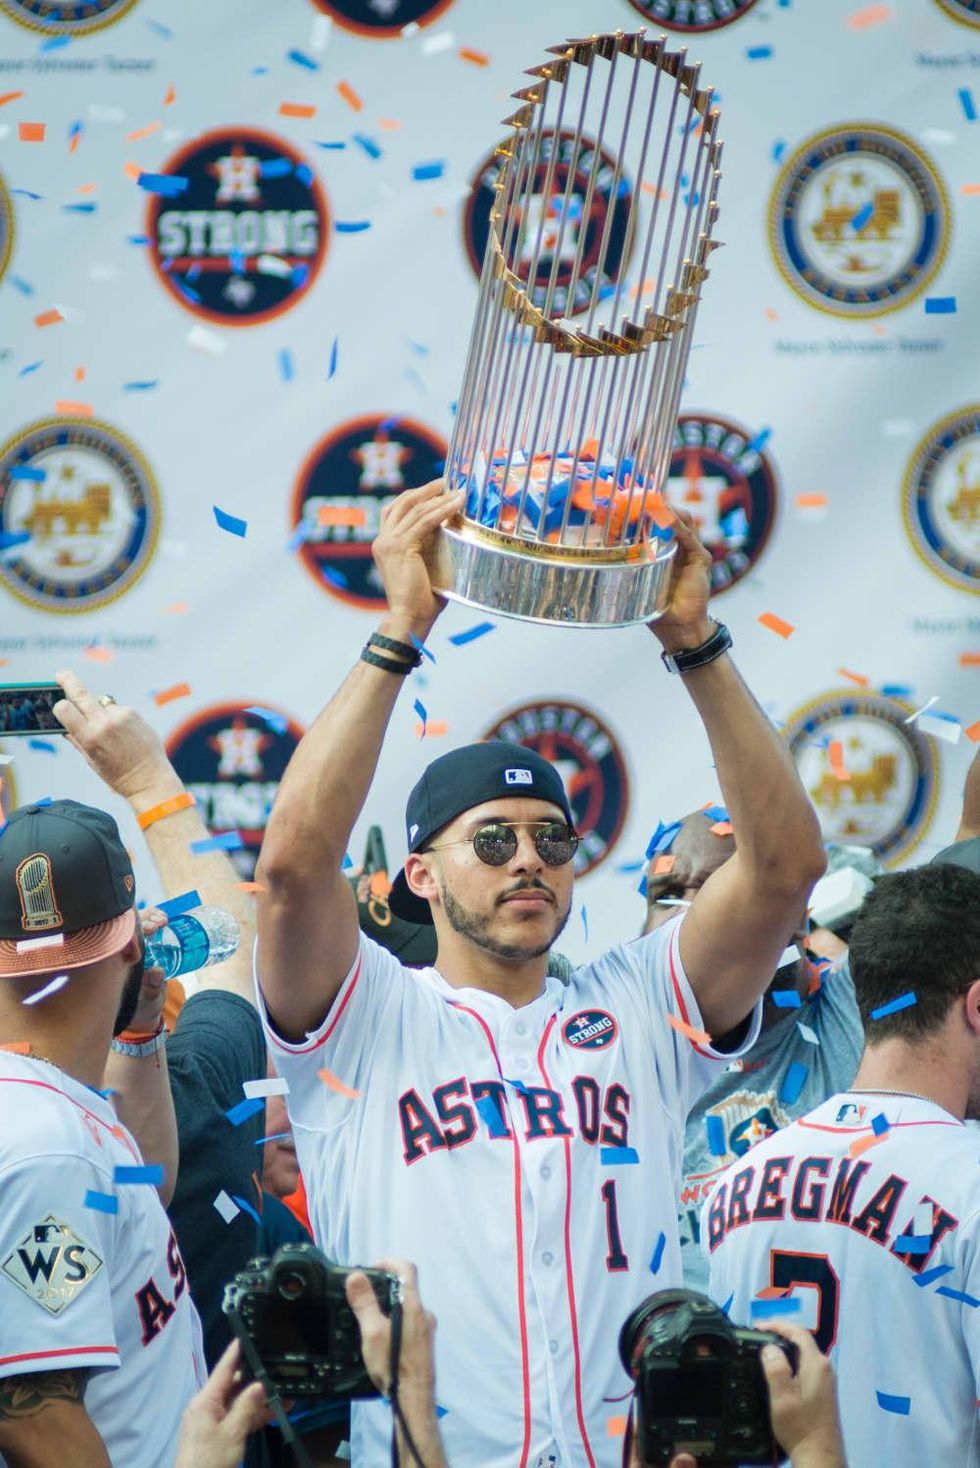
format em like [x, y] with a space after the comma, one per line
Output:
[153, 988]
[221, 1416]
[686, 623]
[117, 742]
[803, 1407]
[416, 1375]
[408, 525]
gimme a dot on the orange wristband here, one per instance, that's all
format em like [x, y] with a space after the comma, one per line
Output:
[166, 808]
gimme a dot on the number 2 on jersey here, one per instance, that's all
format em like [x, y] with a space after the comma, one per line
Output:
[813, 1272]
[616, 1259]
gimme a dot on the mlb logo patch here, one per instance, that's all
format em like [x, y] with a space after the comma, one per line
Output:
[518, 777]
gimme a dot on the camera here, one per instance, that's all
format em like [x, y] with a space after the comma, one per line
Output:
[291, 1313]
[699, 1382]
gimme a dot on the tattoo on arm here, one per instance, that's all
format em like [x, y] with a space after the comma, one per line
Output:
[26, 1396]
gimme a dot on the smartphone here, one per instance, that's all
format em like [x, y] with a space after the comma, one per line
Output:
[25, 708]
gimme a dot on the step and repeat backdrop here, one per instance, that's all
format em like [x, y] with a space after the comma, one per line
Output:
[239, 250]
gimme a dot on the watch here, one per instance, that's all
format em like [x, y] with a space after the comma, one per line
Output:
[686, 659]
[144, 1048]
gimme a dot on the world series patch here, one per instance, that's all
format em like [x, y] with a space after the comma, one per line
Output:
[693, 15]
[239, 233]
[941, 499]
[859, 220]
[66, 17]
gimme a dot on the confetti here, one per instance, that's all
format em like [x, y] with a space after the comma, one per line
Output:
[864, 1144]
[31, 132]
[793, 1082]
[767, 1307]
[269, 1086]
[151, 1174]
[662, 838]
[419, 708]
[879, 1124]
[369, 146]
[790, 954]
[928, 705]
[658, 1253]
[174, 906]
[167, 695]
[27, 471]
[300, 58]
[973, 733]
[958, 1295]
[940, 305]
[352, 226]
[74, 409]
[475, 58]
[912, 1244]
[245, 1109]
[776, 624]
[618, 1156]
[140, 386]
[277, 1137]
[941, 726]
[460, 639]
[49, 317]
[663, 865]
[320, 32]
[171, 95]
[144, 132]
[231, 523]
[227, 841]
[722, 828]
[969, 660]
[786, 998]
[168, 185]
[490, 1112]
[441, 41]
[811, 501]
[858, 678]
[423, 171]
[346, 91]
[616, 1427]
[758, 53]
[900, 1405]
[204, 340]
[44, 745]
[48, 990]
[904, 1001]
[861, 20]
[715, 1128]
[809, 1035]
[226, 1207]
[98, 654]
[286, 369]
[863, 216]
[101, 1202]
[329, 1079]
[971, 190]
[276, 721]
[246, 1208]
[296, 109]
[332, 365]
[835, 756]
[6, 97]
[53, 940]
[929, 1276]
[968, 104]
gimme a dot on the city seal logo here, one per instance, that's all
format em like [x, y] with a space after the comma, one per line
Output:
[724, 477]
[693, 15]
[873, 778]
[341, 490]
[859, 220]
[941, 499]
[79, 511]
[231, 757]
[967, 12]
[382, 19]
[240, 233]
[6, 228]
[587, 756]
[590, 1029]
[66, 17]
[585, 207]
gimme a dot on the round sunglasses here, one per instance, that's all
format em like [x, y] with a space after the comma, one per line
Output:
[496, 842]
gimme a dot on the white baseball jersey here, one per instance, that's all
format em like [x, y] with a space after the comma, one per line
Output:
[526, 1160]
[80, 1287]
[882, 1248]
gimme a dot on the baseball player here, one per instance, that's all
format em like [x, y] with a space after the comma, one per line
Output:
[100, 1346]
[518, 1137]
[863, 1218]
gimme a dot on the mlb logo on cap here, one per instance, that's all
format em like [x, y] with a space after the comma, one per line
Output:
[518, 777]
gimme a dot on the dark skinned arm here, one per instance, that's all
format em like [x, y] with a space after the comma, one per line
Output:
[43, 1421]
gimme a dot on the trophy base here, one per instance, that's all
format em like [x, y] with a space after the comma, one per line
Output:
[554, 585]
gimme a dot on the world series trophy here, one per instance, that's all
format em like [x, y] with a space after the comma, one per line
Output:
[566, 416]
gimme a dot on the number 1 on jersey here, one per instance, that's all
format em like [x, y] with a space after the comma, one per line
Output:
[616, 1259]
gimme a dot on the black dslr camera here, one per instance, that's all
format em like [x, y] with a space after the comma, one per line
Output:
[699, 1382]
[291, 1315]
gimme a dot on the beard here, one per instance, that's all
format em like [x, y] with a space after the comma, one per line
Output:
[477, 930]
[129, 999]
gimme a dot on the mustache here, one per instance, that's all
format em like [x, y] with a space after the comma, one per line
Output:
[534, 885]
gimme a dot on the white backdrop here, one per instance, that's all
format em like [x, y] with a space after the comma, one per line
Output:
[228, 415]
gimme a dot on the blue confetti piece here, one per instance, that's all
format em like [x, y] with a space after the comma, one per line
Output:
[160, 28]
[913, 1244]
[31, 367]
[332, 147]
[138, 239]
[332, 365]
[300, 58]
[618, 1156]
[768, 1309]
[728, 1304]
[863, 215]
[423, 171]
[758, 53]
[718, 812]
[347, 865]
[231, 523]
[226, 841]
[44, 745]
[246, 1208]
[758, 443]
[260, 71]
[518, 1085]
[333, 576]
[167, 184]
[20, 284]
[778, 149]
[276, 168]
[585, 922]
[441, 1412]
[79, 208]
[174, 906]
[286, 370]
[419, 708]
[460, 639]
[896, 690]
[901, 1406]
[879, 1124]
[715, 1127]
[54, 43]
[276, 722]
[490, 1112]
[418, 348]
[940, 305]
[101, 1202]
[662, 839]
[10, 538]
[27, 471]
[304, 175]
[140, 386]
[793, 1082]
[929, 1276]
[959, 1296]
[904, 1001]
[421, 647]
[277, 1137]
[369, 146]
[186, 292]
[352, 226]
[658, 1253]
[786, 999]
[151, 1173]
[968, 104]
[244, 1109]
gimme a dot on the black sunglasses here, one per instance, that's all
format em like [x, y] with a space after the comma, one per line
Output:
[496, 842]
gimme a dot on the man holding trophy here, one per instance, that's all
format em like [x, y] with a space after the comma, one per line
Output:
[518, 1138]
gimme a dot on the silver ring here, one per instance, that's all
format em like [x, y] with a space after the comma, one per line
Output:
[106, 699]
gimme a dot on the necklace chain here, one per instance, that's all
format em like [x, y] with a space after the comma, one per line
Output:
[886, 1091]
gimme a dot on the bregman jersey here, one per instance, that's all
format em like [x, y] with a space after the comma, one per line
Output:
[868, 1211]
[526, 1160]
[83, 1287]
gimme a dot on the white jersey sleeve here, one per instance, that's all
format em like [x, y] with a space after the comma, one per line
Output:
[55, 1303]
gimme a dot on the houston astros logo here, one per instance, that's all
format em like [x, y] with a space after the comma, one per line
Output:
[6, 228]
[873, 778]
[382, 19]
[241, 234]
[722, 474]
[967, 12]
[572, 208]
[81, 505]
[859, 221]
[590, 1029]
[693, 15]
[747, 1117]
[941, 499]
[231, 757]
[587, 756]
[341, 490]
[66, 17]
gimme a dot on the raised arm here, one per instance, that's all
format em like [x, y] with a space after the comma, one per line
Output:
[43, 1421]
[307, 916]
[744, 915]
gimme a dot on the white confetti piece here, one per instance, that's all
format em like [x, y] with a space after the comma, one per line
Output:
[268, 1086]
[897, 427]
[410, 30]
[912, 717]
[98, 112]
[6, 759]
[102, 272]
[320, 32]
[71, 314]
[807, 1033]
[940, 727]
[226, 1207]
[205, 341]
[922, 1221]
[441, 41]
[789, 955]
[53, 940]
[938, 135]
[48, 990]
[274, 265]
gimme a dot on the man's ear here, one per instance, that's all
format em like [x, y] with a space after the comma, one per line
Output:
[420, 878]
[131, 953]
[972, 1006]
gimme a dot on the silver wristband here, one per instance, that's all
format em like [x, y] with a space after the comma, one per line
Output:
[146, 1047]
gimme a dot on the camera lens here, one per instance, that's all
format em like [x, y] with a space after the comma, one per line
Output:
[291, 1284]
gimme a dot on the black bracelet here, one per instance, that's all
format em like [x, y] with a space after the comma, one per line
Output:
[687, 659]
[388, 664]
[402, 648]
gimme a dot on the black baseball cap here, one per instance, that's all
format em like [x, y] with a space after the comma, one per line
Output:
[458, 781]
[413, 944]
[63, 870]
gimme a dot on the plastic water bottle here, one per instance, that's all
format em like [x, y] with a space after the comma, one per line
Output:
[193, 940]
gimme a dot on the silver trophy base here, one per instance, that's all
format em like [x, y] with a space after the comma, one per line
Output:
[555, 585]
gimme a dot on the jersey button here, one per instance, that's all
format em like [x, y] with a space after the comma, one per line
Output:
[547, 1257]
[520, 1028]
[553, 1347]
[546, 1172]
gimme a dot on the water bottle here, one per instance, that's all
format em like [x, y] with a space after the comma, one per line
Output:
[193, 940]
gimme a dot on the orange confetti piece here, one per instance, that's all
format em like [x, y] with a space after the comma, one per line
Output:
[973, 733]
[167, 695]
[389, 124]
[660, 512]
[296, 109]
[98, 654]
[967, 189]
[336, 1084]
[79, 374]
[88, 188]
[478, 58]
[171, 95]
[74, 409]
[379, 884]
[722, 828]
[342, 515]
[776, 624]
[811, 501]
[970, 659]
[835, 754]
[864, 1143]
[48, 318]
[700, 1037]
[433, 727]
[663, 864]
[177, 608]
[250, 887]
[6, 97]
[773, 1292]
[770, 314]
[144, 132]
[132, 171]
[869, 16]
[17, 1047]
[616, 1427]
[31, 132]
[858, 678]
[346, 91]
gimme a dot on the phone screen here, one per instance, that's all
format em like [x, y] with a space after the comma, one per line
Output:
[25, 708]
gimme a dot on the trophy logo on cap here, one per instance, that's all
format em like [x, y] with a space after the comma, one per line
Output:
[570, 395]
